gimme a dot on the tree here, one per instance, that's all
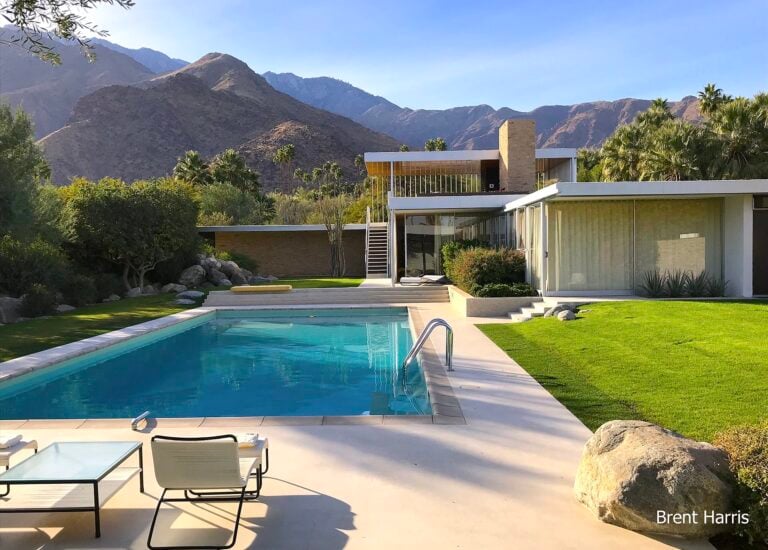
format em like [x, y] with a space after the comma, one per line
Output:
[332, 210]
[435, 144]
[62, 19]
[672, 153]
[621, 153]
[193, 169]
[284, 157]
[656, 114]
[293, 209]
[360, 164]
[224, 201]
[404, 148]
[134, 226]
[22, 168]
[230, 167]
[740, 130]
[589, 165]
[711, 98]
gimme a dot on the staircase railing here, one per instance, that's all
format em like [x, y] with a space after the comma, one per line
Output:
[422, 339]
[367, 235]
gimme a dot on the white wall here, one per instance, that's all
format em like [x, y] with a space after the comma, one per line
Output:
[737, 244]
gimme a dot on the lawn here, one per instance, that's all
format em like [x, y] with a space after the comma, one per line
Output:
[694, 367]
[317, 282]
[39, 334]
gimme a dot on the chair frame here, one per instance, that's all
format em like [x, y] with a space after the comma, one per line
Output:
[212, 496]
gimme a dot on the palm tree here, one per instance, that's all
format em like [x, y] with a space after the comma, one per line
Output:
[191, 168]
[672, 153]
[435, 144]
[740, 130]
[657, 113]
[711, 98]
[283, 157]
[621, 153]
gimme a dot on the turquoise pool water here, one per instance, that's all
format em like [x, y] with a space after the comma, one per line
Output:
[237, 363]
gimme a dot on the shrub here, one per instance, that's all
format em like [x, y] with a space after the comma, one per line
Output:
[24, 264]
[108, 284]
[676, 283]
[450, 249]
[716, 287]
[747, 448]
[244, 261]
[697, 285]
[653, 284]
[78, 290]
[473, 268]
[38, 300]
[503, 290]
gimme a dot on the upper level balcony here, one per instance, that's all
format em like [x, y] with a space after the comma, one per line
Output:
[425, 173]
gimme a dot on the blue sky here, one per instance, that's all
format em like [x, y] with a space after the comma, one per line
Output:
[439, 54]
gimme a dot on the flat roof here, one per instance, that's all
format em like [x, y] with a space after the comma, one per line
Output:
[482, 201]
[468, 154]
[641, 189]
[273, 228]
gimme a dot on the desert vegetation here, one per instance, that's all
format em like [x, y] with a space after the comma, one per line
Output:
[730, 142]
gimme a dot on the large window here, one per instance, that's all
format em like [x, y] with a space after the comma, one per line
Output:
[426, 234]
[610, 245]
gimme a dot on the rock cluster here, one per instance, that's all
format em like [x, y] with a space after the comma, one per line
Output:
[638, 475]
[217, 272]
[563, 312]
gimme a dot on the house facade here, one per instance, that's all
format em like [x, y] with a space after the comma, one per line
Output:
[580, 239]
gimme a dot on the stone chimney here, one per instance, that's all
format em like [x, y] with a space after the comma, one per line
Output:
[517, 149]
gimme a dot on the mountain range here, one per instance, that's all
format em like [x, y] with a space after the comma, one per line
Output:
[133, 112]
[215, 103]
[474, 127]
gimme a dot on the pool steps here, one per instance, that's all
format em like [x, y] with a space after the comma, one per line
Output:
[317, 296]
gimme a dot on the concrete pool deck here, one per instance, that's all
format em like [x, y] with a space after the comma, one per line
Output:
[502, 480]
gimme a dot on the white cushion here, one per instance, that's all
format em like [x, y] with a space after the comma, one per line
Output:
[9, 440]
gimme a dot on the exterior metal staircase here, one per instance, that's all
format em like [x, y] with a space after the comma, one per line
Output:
[377, 250]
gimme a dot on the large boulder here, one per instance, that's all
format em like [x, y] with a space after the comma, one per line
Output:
[229, 267]
[566, 315]
[190, 295]
[214, 275]
[9, 309]
[111, 298]
[172, 287]
[135, 292]
[63, 308]
[636, 475]
[194, 275]
[211, 263]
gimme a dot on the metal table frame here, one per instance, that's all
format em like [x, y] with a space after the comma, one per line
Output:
[95, 482]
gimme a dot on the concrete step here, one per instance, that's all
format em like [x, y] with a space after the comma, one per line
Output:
[332, 296]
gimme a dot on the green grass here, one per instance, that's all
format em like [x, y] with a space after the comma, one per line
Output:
[38, 334]
[694, 367]
[318, 282]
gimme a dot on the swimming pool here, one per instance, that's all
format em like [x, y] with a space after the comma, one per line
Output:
[237, 363]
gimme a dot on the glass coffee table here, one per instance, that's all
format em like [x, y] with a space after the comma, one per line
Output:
[71, 477]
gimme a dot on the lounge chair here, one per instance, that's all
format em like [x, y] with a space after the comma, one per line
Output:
[424, 280]
[210, 468]
[10, 444]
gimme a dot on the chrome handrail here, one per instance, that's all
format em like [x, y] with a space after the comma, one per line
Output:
[422, 339]
[135, 421]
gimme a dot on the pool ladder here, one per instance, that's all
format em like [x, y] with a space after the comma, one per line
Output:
[422, 339]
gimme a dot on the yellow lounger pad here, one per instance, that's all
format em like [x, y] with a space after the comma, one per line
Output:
[263, 289]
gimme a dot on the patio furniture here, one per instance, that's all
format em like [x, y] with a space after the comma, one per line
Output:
[7, 452]
[260, 289]
[57, 478]
[424, 280]
[250, 446]
[209, 468]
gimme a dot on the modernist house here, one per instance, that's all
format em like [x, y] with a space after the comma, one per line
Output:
[580, 238]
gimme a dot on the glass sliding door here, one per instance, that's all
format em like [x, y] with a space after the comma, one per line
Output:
[590, 246]
[534, 238]
[424, 236]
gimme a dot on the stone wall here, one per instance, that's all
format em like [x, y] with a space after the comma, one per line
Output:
[517, 151]
[295, 253]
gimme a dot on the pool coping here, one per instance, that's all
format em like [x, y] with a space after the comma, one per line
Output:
[446, 409]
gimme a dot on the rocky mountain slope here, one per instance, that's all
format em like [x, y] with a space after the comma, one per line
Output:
[49, 93]
[215, 103]
[474, 127]
[155, 61]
